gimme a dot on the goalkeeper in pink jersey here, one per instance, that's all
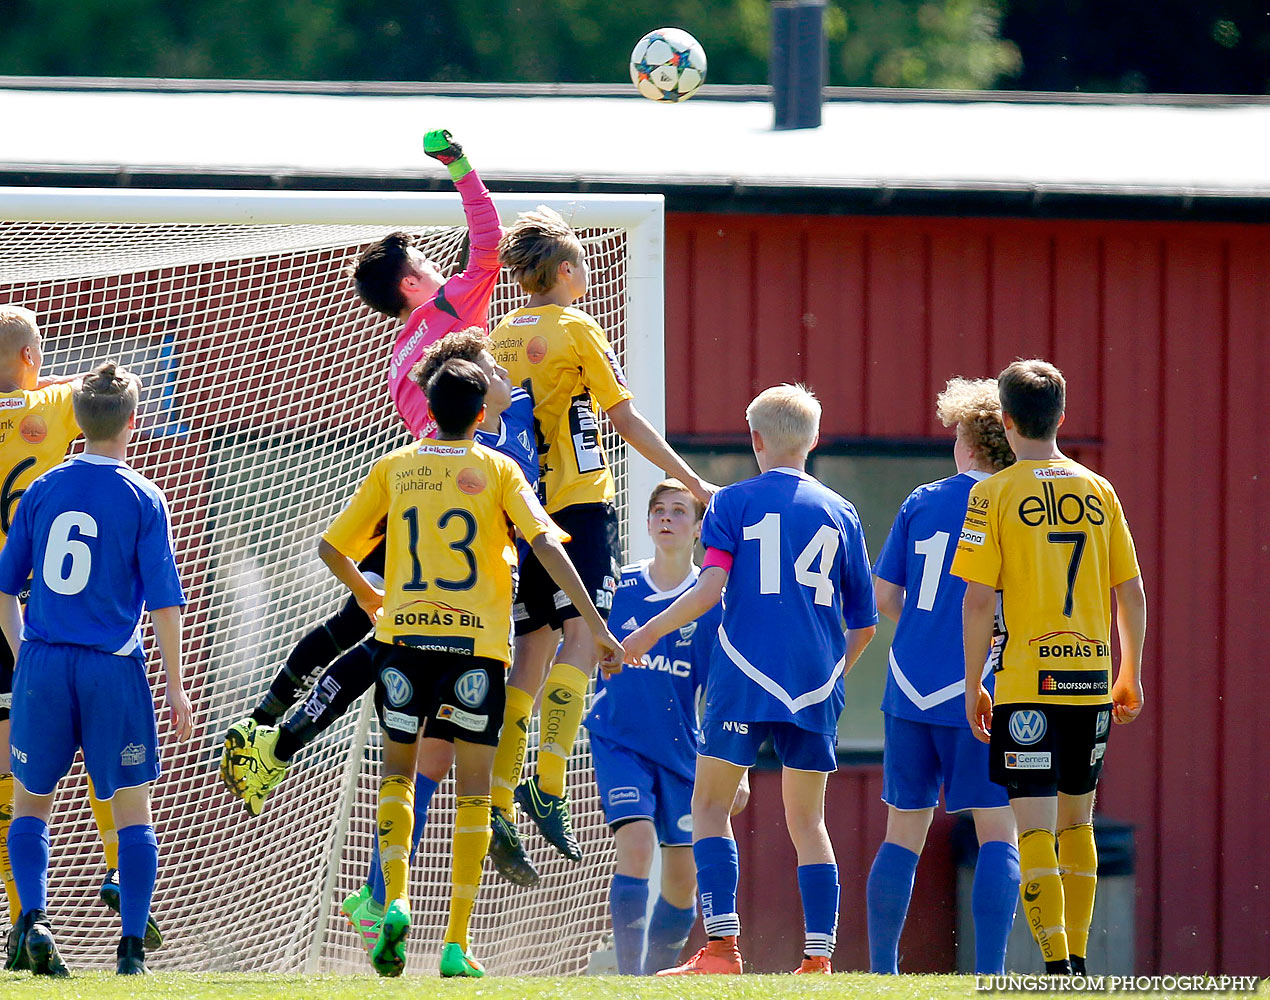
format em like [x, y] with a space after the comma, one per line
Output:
[394, 278]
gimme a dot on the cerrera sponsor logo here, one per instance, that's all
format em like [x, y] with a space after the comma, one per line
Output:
[464, 720]
[1068, 646]
[1054, 508]
[627, 793]
[1072, 682]
[1035, 761]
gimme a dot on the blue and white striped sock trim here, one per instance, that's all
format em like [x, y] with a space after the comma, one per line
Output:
[819, 944]
[723, 925]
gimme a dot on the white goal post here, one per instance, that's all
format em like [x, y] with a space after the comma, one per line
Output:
[265, 402]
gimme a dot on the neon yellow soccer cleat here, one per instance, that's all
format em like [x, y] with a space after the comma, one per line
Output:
[233, 761]
[264, 772]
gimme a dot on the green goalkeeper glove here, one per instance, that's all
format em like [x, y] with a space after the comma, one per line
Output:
[440, 145]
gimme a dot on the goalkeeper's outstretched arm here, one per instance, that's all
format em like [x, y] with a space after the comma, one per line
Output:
[467, 295]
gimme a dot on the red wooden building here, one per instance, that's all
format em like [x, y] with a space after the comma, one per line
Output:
[907, 241]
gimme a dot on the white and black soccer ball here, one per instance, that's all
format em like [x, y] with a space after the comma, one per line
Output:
[668, 65]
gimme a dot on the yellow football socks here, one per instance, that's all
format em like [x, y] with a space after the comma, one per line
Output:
[471, 842]
[1042, 892]
[1078, 864]
[563, 700]
[513, 741]
[104, 817]
[6, 869]
[395, 819]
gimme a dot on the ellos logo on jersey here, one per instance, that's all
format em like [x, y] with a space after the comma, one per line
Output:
[1027, 726]
[1056, 509]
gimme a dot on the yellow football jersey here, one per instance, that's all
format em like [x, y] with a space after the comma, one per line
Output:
[450, 555]
[560, 356]
[36, 427]
[1052, 539]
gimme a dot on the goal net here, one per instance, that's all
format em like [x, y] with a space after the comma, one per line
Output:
[265, 404]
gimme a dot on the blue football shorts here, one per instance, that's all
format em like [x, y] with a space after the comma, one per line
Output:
[920, 756]
[634, 787]
[738, 743]
[71, 697]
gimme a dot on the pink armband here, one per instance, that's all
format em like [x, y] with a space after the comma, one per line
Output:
[717, 557]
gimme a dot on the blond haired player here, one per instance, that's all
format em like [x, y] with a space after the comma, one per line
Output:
[37, 425]
[1044, 546]
[442, 635]
[562, 358]
[791, 552]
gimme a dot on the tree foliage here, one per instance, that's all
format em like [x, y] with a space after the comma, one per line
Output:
[1036, 44]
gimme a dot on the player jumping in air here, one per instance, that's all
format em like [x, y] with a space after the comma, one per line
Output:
[39, 425]
[927, 742]
[394, 278]
[98, 536]
[442, 636]
[643, 726]
[560, 355]
[792, 555]
[1044, 546]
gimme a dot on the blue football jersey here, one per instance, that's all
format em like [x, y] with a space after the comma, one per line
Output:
[927, 679]
[652, 709]
[800, 570]
[517, 438]
[98, 537]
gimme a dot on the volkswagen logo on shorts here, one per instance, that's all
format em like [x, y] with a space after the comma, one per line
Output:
[396, 687]
[1027, 726]
[1103, 724]
[472, 688]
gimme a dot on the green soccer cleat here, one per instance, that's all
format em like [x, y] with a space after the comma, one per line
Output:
[233, 761]
[353, 902]
[508, 853]
[388, 957]
[551, 815]
[264, 772]
[368, 922]
[456, 962]
[109, 894]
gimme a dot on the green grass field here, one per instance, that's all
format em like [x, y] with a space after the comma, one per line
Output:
[239, 986]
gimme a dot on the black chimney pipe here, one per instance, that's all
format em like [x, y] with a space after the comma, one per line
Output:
[800, 58]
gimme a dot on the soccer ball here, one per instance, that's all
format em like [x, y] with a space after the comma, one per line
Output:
[668, 65]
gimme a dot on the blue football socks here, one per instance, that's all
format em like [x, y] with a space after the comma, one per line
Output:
[628, 903]
[889, 891]
[718, 871]
[818, 886]
[668, 931]
[992, 901]
[29, 857]
[138, 868]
